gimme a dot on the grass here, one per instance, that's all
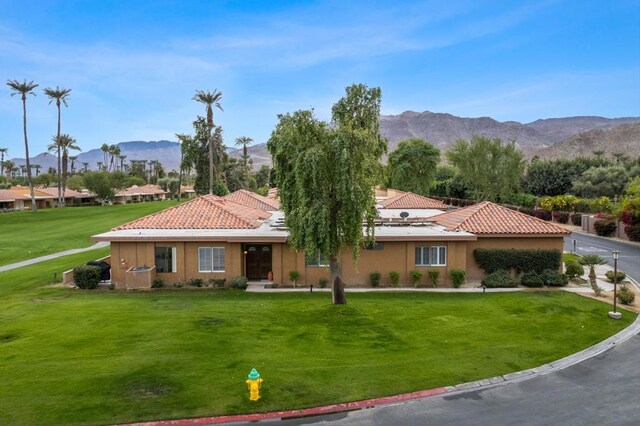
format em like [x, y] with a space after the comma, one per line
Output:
[53, 230]
[568, 257]
[96, 357]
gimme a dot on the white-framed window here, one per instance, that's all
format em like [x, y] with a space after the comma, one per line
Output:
[210, 259]
[317, 260]
[431, 256]
[166, 260]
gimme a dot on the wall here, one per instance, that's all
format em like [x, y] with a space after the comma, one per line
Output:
[473, 270]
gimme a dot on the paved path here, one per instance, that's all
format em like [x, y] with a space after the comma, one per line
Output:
[51, 256]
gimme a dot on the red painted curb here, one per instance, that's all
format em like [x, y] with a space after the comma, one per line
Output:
[314, 411]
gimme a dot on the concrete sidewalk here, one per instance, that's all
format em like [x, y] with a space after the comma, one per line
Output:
[51, 256]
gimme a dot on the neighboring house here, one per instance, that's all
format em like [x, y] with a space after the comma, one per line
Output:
[187, 191]
[244, 234]
[70, 196]
[22, 198]
[139, 194]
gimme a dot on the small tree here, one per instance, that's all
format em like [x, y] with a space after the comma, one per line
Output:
[591, 260]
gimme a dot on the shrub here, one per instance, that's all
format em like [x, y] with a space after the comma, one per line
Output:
[554, 278]
[531, 279]
[157, 283]
[217, 282]
[238, 282]
[633, 232]
[576, 219]
[537, 260]
[87, 277]
[323, 282]
[458, 277]
[178, 284]
[293, 277]
[561, 217]
[433, 277]
[542, 214]
[573, 269]
[499, 278]
[394, 277]
[626, 296]
[415, 277]
[605, 227]
[196, 282]
[374, 277]
[610, 276]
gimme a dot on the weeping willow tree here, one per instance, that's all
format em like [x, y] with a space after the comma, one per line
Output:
[325, 174]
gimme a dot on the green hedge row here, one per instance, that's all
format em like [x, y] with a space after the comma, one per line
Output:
[519, 260]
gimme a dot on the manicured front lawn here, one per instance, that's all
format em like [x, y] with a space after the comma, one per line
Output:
[97, 357]
[26, 234]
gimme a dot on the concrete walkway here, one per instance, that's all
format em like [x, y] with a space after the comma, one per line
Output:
[51, 256]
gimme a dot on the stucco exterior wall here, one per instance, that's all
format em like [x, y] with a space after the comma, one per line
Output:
[473, 270]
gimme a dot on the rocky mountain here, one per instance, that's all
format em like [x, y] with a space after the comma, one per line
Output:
[443, 129]
[624, 139]
[578, 134]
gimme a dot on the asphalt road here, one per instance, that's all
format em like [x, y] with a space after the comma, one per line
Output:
[629, 261]
[604, 390]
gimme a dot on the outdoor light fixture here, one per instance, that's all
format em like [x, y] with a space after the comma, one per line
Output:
[615, 314]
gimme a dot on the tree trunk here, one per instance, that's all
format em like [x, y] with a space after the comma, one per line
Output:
[34, 206]
[592, 279]
[337, 286]
[180, 175]
[65, 163]
[60, 201]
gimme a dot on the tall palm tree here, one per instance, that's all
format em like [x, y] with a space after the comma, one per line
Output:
[37, 167]
[210, 99]
[24, 89]
[591, 260]
[3, 151]
[244, 141]
[105, 149]
[114, 151]
[85, 166]
[60, 96]
[121, 158]
[99, 163]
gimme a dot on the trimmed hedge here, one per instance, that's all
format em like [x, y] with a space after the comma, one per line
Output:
[554, 278]
[531, 279]
[604, 227]
[520, 260]
[500, 278]
[610, 275]
[573, 269]
[87, 277]
[238, 282]
[561, 217]
[458, 277]
[633, 232]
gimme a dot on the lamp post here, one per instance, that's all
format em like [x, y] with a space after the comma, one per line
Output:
[615, 314]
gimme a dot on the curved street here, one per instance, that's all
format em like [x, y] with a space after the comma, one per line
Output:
[603, 390]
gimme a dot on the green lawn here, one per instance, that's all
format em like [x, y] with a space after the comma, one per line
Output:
[25, 234]
[97, 357]
[569, 257]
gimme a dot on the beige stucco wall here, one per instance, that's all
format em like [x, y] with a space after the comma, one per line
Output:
[475, 273]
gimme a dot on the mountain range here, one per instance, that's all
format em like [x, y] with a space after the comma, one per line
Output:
[547, 138]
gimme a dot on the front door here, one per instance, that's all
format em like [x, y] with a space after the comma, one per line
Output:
[257, 261]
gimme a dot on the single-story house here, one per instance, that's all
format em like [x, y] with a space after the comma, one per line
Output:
[244, 234]
[70, 196]
[139, 194]
[19, 198]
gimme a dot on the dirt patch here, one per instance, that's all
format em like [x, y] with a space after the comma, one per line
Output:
[607, 297]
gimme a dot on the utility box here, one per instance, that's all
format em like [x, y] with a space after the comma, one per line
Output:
[139, 277]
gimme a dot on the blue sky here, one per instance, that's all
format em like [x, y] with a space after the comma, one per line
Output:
[134, 66]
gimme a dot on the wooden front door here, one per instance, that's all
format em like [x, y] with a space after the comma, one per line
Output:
[257, 261]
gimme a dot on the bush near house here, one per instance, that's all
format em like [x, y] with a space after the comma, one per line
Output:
[626, 296]
[322, 282]
[499, 278]
[87, 277]
[573, 269]
[633, 232]
[394, 277]
[605, 227]
[620, 275]
[554, 278]
[415, 277]
[561, 217]
[157, 283]
[531, 279]
[457, 277]
[374, 277]
[196, 282]
[576, 219]
[293, 277]
[519, 260]
[238, 282]
[434, 277]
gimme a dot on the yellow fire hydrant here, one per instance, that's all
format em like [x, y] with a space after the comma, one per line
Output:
[254, 382]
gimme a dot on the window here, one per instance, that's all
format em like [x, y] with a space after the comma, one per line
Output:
[166, 259]
[211, 259]
[431, 256]
[374, 246]
[317, 260]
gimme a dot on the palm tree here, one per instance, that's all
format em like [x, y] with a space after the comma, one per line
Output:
[99, 163]
[105, 149]
[591, 260]
[3, 151]
[60, 96]
[37, 167]
[25, 89]
[65, 142]
[244, 141]
[114, 151]
[210, 99]
[73, 159]
[8, 168]
[122, 157]
[184, 139]
[598, 153]
[85, 166]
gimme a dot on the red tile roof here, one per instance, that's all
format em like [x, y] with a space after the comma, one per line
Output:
[24, 190]
[491, 219]
[253, 200]
[206, 212]
[273, 193]
[68, 193]
[141, 190]
[409, 200]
